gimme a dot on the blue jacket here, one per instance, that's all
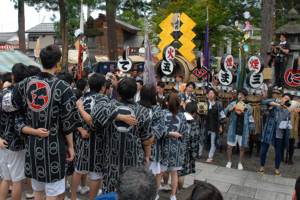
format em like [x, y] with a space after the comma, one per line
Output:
[248, 124]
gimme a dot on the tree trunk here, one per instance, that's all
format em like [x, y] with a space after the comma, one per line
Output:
[111, 30]
[64, 34]
[267, 28]
[21, 20]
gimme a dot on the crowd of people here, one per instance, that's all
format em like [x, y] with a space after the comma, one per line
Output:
[51, 128]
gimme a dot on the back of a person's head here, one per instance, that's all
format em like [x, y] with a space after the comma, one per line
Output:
[19, 71]
[65, 76]
[148, 98]
[81, 84]
[191, 107]
[33, 70]
[173, 103]
[137, 184]
[297, 188]
[6, 77]
[206, 191]
[96, 82]
[50, 55]
[127, 88]
[77, 92]
[140, 82]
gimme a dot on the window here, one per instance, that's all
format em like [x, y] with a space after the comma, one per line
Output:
[57, 40]
[104, 24]
[33, 39]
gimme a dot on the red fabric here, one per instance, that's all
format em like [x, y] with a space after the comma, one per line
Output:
[80, 53]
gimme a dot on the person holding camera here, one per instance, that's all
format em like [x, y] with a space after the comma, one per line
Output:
[281, 51]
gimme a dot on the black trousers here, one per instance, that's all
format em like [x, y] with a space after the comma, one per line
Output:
[279, 73]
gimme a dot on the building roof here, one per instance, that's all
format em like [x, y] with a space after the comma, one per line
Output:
[127, 26]
[42, 28]
[5, 36]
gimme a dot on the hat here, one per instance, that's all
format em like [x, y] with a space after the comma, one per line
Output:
[179, 76]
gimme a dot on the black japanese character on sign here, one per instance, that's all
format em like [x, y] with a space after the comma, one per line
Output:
[256, 79]
[125, 65]
[166, 67]
[225, 77]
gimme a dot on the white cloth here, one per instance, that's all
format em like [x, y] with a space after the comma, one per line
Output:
[238, 139]
[94, 175]
[164, 168]
[211, 103]
[51, 189]
[155, 167]
[12, 164]
[137, 96]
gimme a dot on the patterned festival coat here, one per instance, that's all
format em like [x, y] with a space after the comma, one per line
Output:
[248, 124]
[48, 103]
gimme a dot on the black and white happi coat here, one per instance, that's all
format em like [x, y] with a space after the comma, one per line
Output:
[190, 157]
[7, 126]
[122, 143]
[159, 131]
[174, 148]
[49, 103]
[89, 151]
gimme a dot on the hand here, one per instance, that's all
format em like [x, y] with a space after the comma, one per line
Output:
[79, 103]
[70, 154]
[147, 161]
[85, 134]
[3, 144]
[175, 134]
[221, 129]
[129, 119]
[42, 132]
[6, 84]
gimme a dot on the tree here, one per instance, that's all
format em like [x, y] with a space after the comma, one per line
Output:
[111, 6]
[19, 4]
[63, 6]
[267, 27]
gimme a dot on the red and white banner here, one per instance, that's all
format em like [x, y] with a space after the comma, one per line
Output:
[9, 46]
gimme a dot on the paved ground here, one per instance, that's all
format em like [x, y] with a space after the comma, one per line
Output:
[235, 184]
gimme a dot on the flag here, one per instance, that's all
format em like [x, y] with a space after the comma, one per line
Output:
[81, 42]
[148, 75]
[206, 47]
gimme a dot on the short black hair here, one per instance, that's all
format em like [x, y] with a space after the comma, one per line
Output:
[33, 70]
[6, 77]
[108, 84]
[50, 55]
[77, 92]
[244, 91]
[65, 76]
[81, 83]
[127, 88]
[140, 82]
[19, 71]
[204, 191]
[191, 83]
[161, 84]
[96, 82]
[191, 107]
[297, 187]
[289, 95]
[148, 96]
[212, 89]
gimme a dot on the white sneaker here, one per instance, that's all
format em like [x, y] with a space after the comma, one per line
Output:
[165, 187]
[240, 166]
[78, 189]
[99, 192]
[68, 186]
[157, 197]
[29, 196]
[84, 190]
[228, 165]
[173, 197]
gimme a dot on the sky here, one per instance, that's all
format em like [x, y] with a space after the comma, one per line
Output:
[9, 16]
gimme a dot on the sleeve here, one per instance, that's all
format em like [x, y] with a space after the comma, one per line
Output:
[158, 127]
[227, 113]
[251, 119]
[194, 140]
[13, 99]
[145, 127]
[222, 116]
[20, 123]
[184, 131]
[70, 117]
[103, 113]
